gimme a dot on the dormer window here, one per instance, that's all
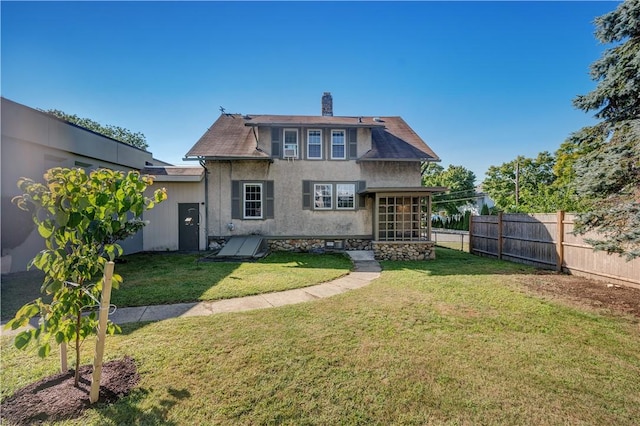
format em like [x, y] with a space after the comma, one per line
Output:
[290, 143]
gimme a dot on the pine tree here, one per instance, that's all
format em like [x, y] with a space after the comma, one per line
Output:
[608, 176]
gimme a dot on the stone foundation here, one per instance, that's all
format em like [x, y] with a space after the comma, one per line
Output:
[314, 244]
[383, 250]
[404, 250]
[357, 244]
[303, 245]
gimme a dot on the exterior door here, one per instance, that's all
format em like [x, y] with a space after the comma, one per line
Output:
[189, 226]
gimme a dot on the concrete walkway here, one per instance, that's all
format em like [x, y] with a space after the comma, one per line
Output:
[366, 269]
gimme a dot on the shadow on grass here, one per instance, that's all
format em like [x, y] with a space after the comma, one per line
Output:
[455, 262]
[168, 278]
[18, 289]
[127, 410]
[338, 260]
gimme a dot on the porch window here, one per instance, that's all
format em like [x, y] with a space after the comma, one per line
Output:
[252, 200]
[401, 218]
[338, 150]
[314, 144]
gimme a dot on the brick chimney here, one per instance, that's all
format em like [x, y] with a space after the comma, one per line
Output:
[327, 104]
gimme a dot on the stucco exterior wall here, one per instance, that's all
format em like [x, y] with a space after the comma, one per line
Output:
[290, 219]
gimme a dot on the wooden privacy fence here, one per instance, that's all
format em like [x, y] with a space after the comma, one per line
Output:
[547, 241]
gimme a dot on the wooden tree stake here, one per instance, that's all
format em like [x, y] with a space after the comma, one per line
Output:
[63, 357]
[102, 331]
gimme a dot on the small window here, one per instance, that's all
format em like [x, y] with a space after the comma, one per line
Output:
[252, 201]
[338, 144]
[345, 196]
[323, 196]
[314, 144]
[290, 143]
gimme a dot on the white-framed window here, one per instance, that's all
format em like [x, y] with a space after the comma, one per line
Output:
[345, 196]
[323, 196]
[338, 147]
[314, 144]
[252, 201]
[290, 143]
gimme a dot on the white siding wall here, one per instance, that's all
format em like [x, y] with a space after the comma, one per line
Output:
[161, 234]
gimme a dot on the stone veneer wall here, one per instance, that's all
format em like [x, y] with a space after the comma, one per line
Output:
[413, 250]
[299, 244]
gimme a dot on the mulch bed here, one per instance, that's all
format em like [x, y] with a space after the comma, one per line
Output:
[56, 398]
[584, 292]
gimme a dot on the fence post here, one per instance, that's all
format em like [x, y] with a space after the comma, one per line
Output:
[560, 241]
[500, 235]
[471, 234]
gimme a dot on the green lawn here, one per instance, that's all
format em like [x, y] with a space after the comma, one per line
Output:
[158, 278]
[455, 341]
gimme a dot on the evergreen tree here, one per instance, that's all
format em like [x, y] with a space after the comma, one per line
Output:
[607, 177]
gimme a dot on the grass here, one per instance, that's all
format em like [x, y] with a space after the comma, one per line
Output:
[153, 279]
[454, 245]
[455, 341]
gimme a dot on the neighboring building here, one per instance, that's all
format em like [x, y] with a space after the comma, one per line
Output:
[175, 224]
[310, 182]
[32, 142]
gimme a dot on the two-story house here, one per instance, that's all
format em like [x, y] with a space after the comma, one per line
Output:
[308, 182]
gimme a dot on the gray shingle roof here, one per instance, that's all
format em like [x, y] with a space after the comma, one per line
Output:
[232, 136]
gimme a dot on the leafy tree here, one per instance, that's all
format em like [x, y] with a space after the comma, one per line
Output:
[115, 132]
[608, 175]
[523, 184]
[80, 217]
[459, 180]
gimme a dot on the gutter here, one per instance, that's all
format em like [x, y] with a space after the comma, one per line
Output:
[206, 205]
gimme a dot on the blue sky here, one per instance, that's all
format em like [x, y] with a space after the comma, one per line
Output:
[480, 82]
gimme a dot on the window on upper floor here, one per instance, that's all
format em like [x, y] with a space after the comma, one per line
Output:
[314, 144]
[338, 150]
[290, 143]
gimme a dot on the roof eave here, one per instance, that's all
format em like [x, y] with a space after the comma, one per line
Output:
[307, 124]
[225, 158]
[405, 189]
[406, 160]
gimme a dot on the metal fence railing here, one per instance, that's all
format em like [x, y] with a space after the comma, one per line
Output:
[458, 240]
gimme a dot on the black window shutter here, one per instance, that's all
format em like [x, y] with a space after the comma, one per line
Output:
[361, 186]
[306, 194]
[268, 199]
[353, 143]
[275, 142]
[236, 200]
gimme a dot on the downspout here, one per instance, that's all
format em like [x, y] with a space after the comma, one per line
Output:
[206, 204]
